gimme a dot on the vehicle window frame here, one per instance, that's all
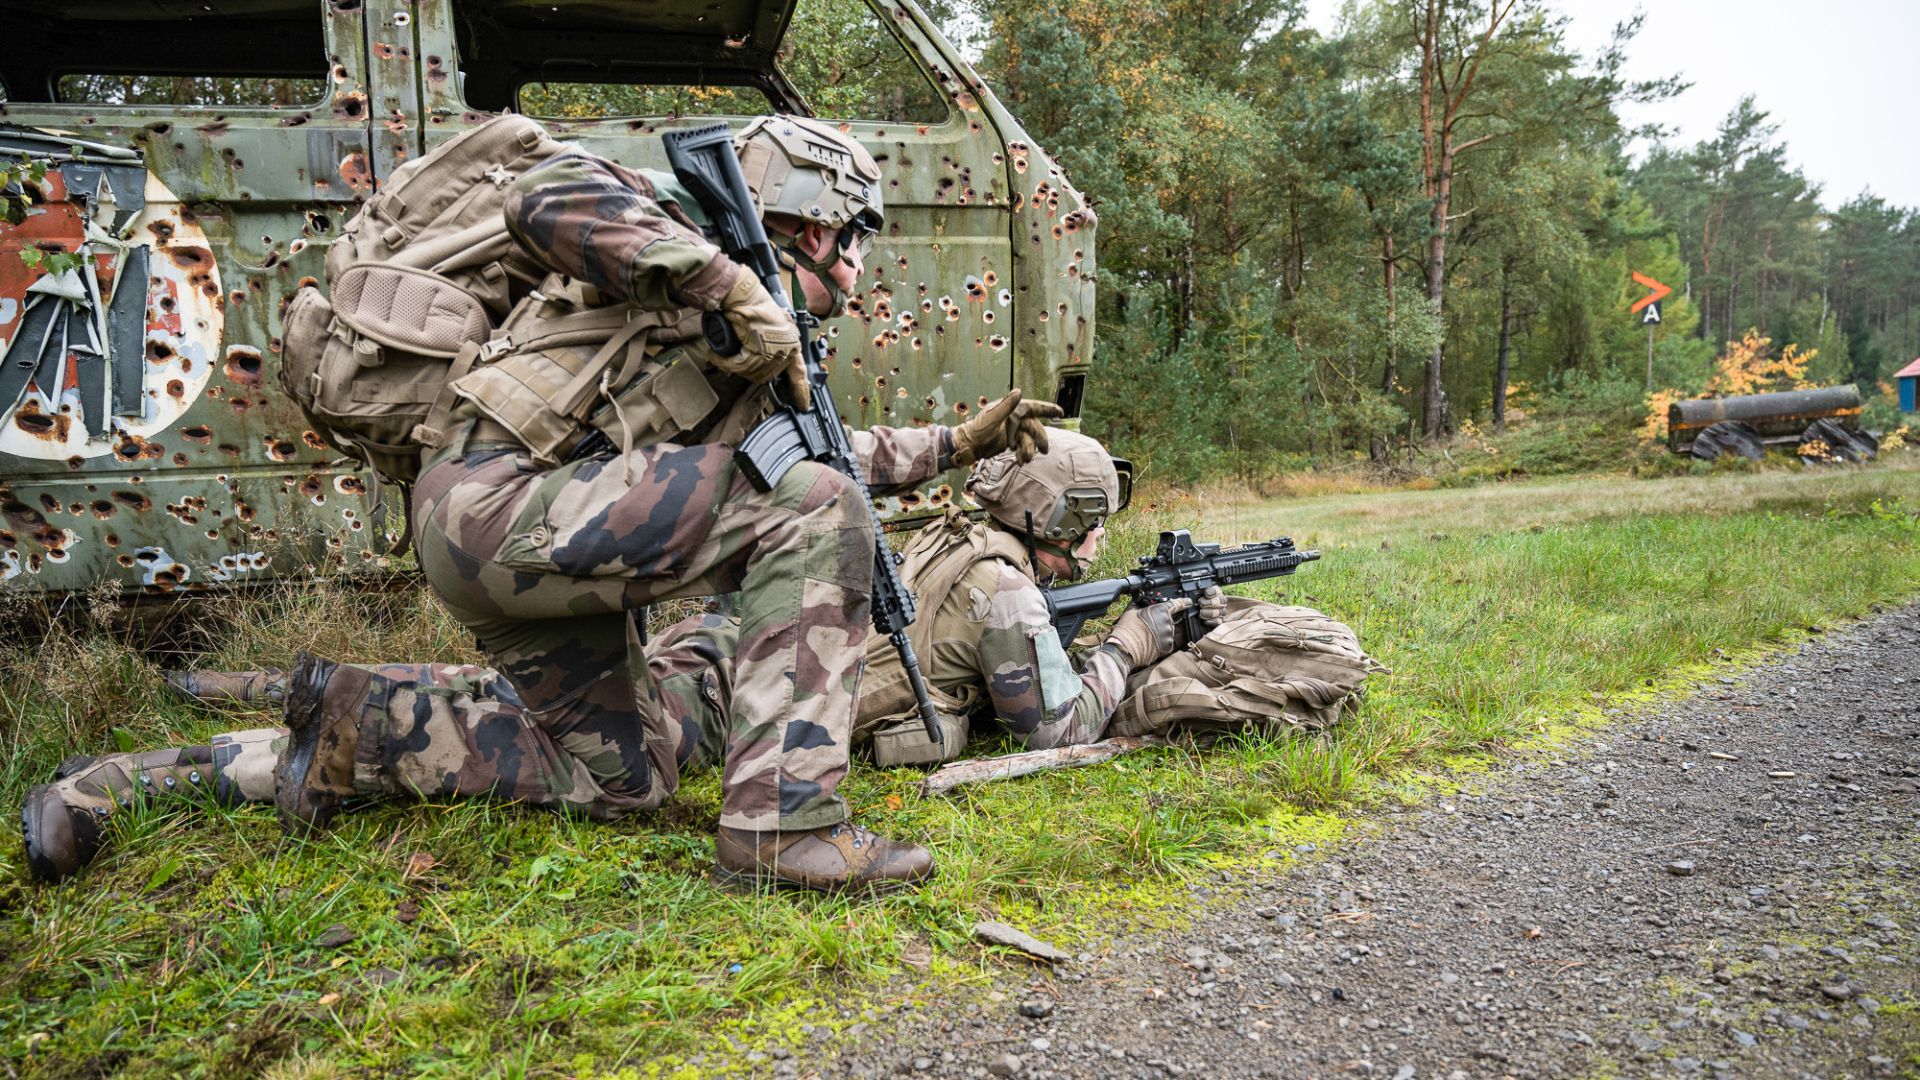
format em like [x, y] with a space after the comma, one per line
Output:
[773, 83]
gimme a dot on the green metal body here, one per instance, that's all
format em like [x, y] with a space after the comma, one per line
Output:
[981, 280]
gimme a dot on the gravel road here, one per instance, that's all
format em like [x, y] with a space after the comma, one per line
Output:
[1716, 887]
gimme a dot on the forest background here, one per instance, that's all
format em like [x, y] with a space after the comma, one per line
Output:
[1319, 249]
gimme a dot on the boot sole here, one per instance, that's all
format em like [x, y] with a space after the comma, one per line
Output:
[741, 881]
[290, 777]
[42, 868]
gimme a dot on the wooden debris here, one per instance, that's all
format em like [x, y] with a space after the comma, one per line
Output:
[1009, 766]
[998, 933]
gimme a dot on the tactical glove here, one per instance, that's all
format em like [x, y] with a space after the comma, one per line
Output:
[1213, 606]
[1150, 634]
[769, 339]
[1009, 423]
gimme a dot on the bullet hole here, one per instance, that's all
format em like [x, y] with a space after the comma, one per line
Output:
[382, 50]
[317, 221]
[279, 449]
[112, 539]
[179, 459]
[296, 120]
[240, 404]
[401, 18]
[216, 127]
[1006, 297]
[296, 247]
[76, 461]
[8, 540]
[911, 499]
[436, 70]
[864, 402]
[176, 389]
[216, 392]
[349, 106]
[313, 440]
[199, 434]
[162, 128]
[244, 365]
[880, 383]
[48, 503]
[986, 315]
[104, 509]
[133, 500]
[976, 289]
[126, 561]
[307, 283]
[349, 484]
[356, 172]
[996, 343]
[242, 511]
[168, 304]
[916, 343]
[30, 419]
[158, 352]
[190, 257]
[228, 449]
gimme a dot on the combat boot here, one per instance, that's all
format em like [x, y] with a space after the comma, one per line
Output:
[833, 859]
[315, 771]
[230, 687]
[65, 822]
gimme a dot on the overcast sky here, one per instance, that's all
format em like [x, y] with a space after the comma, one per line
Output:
[1838, 78]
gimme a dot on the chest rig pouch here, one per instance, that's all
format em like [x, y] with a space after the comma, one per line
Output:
[563, 365]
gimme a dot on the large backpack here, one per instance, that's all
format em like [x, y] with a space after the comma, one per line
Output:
[1267, 667]
[416, 282]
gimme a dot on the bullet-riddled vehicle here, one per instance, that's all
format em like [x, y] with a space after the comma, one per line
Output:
[177, 168]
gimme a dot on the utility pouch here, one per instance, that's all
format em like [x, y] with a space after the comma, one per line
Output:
[904, 741]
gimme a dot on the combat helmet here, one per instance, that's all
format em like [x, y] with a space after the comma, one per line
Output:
[808, 171]
[1059, 497]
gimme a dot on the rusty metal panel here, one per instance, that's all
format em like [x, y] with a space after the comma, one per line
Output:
[158, 454]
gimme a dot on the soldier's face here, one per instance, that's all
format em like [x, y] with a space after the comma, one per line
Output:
[818, 243]
[1083, 554]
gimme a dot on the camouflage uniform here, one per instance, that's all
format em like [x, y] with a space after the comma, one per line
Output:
[547, 566]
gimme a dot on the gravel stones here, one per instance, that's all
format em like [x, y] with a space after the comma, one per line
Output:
[1513, 927]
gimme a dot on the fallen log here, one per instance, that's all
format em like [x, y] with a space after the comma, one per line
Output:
[1009, 766]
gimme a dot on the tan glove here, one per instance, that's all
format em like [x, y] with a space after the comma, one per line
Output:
[769, 339]
[1007, 423]
[1213, 606]
[1150, 634]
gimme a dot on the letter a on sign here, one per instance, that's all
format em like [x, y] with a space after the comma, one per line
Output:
[1650, 315]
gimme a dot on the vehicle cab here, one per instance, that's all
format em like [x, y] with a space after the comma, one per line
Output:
[176, 171]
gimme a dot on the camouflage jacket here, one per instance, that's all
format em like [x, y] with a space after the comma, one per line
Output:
[623, 231]
[991, 647]
[636, 237]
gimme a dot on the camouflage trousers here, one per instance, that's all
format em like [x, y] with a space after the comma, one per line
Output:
[547, 567]
[455, 729]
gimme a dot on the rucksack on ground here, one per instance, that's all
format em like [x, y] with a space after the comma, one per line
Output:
[1267, 667]
[424, 271]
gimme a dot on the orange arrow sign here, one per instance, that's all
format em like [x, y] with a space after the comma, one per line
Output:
[1659, 292]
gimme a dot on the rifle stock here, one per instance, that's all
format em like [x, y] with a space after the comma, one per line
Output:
[703, 159]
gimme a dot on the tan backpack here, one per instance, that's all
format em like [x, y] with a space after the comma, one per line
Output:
[416, 283]
[1267, 667]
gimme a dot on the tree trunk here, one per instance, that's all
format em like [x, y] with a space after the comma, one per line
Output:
[1506, 345]
[1390, 375]
[1434, 395]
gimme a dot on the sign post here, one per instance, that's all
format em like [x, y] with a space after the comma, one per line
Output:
[1648, 308]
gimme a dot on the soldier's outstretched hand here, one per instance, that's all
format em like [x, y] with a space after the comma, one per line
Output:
[1007, 424]
[769, 340]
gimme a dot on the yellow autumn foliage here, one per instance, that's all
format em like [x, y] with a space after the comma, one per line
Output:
[1748, 366]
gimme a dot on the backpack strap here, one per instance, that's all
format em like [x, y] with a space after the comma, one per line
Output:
[432, 432]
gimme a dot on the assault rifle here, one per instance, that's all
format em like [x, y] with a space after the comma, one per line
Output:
[1177, 568]
[703, 159]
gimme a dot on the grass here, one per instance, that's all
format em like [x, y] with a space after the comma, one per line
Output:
[490, 940]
